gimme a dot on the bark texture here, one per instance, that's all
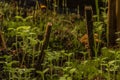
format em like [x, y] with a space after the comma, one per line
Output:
[118, 14]
[112, 27]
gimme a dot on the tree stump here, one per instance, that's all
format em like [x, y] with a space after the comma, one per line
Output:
[44, 46]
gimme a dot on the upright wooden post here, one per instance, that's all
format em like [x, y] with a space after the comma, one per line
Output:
[44, 46]
[112, 28]
[89, 24]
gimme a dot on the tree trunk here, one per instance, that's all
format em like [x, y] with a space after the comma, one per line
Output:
[111, 22]
[118, 14]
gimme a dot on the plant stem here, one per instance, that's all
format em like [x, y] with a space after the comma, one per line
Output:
[33, 58]
[97, 10]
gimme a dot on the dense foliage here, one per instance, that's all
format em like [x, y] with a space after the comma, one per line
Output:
[67, 56]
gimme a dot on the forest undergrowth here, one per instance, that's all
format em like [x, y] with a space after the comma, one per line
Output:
[40, 44]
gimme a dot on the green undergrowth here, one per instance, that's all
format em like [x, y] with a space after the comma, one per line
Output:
[66, 57]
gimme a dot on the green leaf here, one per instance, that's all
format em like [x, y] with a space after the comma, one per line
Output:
[72, 70]
[29, 17]
[111, 62]
[62, 78]
[69, 78]
[19, 17]
[23, 28]
[10, 29]
[111, 51]
[44, 71]
[66, 68]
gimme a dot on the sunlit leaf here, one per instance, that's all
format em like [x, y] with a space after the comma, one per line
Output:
[72, 70]
[44, 71]
[62, 78]
[19, 17]
[69, 78]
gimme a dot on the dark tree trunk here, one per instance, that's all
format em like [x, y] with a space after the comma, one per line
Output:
[118, 14]
[89, 24]
[112, 28]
